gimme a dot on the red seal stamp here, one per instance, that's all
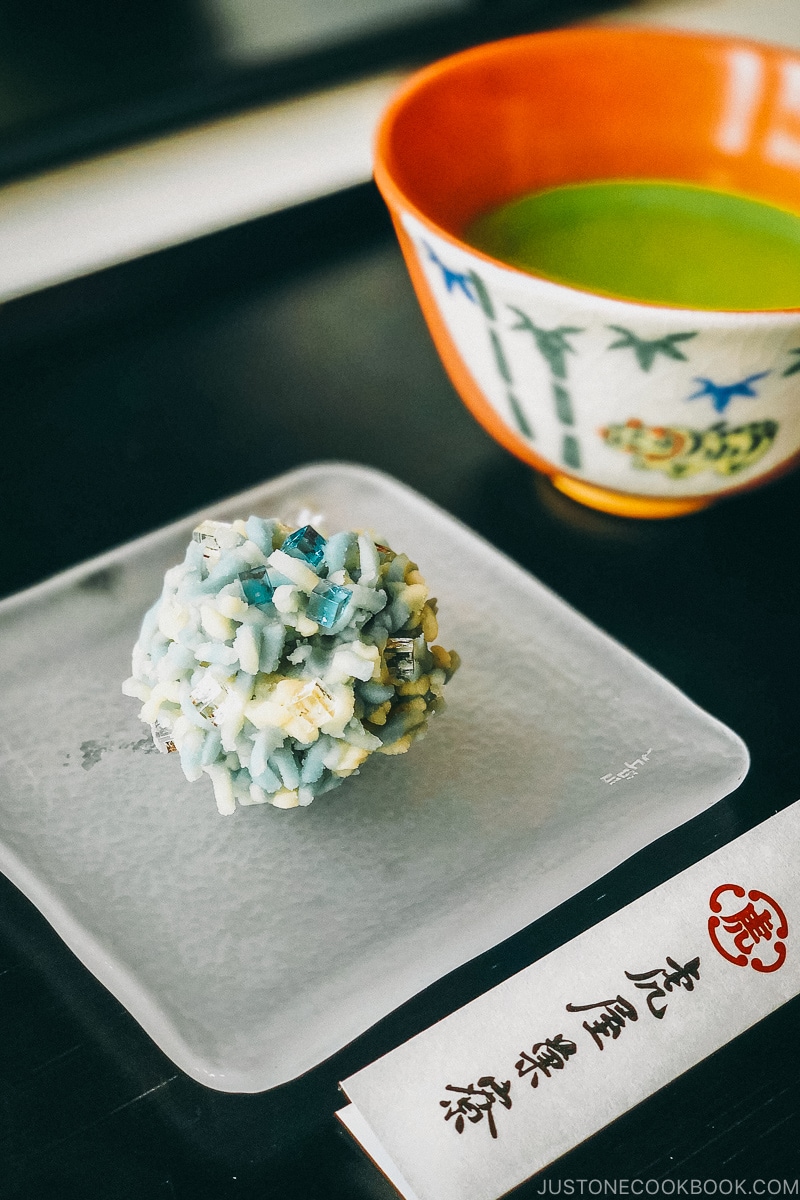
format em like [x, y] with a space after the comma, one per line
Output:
[736, 928]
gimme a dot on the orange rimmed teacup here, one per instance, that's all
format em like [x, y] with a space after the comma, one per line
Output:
[536, 361]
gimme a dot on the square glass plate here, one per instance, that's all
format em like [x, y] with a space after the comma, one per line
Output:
[252, 947]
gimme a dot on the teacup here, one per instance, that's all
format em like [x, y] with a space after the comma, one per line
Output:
[635, 408]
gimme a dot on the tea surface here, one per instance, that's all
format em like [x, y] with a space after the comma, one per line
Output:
[666, 243]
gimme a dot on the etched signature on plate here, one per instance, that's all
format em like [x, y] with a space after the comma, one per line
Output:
[629, 770]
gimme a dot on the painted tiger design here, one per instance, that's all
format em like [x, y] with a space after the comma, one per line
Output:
[679, 451]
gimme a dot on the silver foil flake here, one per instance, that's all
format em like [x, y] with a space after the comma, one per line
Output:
[206, 697]
[207, 534]
[215, 537]
[315, 702]
[162, 738]
[400, 658]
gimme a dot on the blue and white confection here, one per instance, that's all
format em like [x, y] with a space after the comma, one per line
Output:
[276, 661]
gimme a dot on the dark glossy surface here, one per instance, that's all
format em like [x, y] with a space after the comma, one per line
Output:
[133, 398]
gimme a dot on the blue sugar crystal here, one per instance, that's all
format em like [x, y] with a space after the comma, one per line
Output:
[256, 586]
[326, 603]
[305, 543]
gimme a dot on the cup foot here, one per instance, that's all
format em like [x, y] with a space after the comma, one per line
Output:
[623, 504]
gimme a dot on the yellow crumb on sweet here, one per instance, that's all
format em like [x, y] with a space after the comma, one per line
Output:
[430, 626]
[169, 691]
[415, 687]
[398, 747]
[216, 626]
[415, 595]
[378, 715]
[246, 646]
[295, 569]
[412, 575]
[441, 657]
[349, 760]
[438, 680]
[231, 606]
[302, 729]
[263, 713]
[286, 798]
[137, 689]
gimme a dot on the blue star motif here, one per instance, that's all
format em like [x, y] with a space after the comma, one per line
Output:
[453, 280]
[721, 394]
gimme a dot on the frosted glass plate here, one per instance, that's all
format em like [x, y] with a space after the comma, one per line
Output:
[252, 947]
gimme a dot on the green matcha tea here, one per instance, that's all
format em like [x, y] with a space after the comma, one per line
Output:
[666, 243]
